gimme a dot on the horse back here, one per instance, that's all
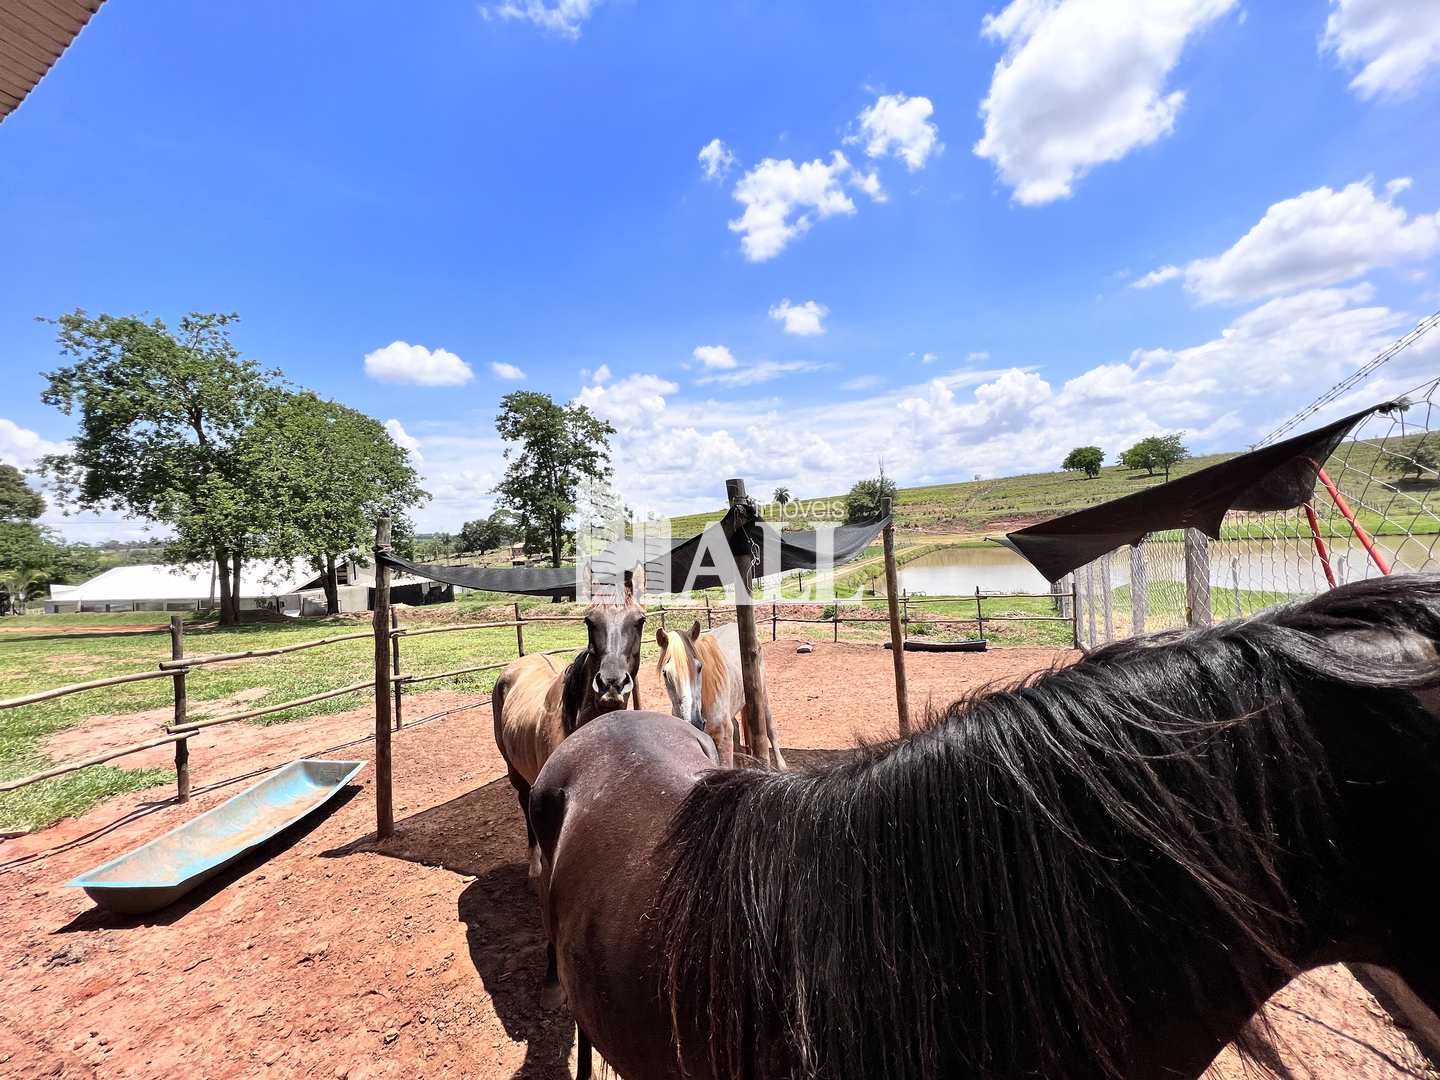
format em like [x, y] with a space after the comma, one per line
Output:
[528, 721]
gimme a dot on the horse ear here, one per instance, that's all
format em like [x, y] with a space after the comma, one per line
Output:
[661, 638]
[695, 630]
[629, 586]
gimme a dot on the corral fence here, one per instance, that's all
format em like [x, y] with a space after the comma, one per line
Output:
[1375, 511]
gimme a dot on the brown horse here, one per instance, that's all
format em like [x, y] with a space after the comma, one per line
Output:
[1102, 873]
[536, 705]
[701, 673]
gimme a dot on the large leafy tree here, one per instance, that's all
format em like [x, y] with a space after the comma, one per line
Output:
[866, 499]
[500, 528]
[1085, 459]
[553, 448]
[320, 474]
[18, 500]
[1157, 453]
[162, 418]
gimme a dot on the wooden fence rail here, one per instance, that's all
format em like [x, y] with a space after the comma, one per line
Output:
[75, 688]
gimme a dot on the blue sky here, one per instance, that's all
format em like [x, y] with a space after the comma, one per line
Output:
[955, 238]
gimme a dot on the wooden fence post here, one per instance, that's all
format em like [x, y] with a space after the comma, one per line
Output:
[904, 611]
[774, 621]
[1093, 637]
[897, 632]
[1139, 591]
[395, 665]
[979, 616]
[1197, 578]
[182, 746]
[1074, 604]
[709, 621]
[835, 609]
[757, 705]
[384, 804]
[519, 630]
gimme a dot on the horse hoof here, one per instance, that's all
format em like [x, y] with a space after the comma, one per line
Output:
[552, 996]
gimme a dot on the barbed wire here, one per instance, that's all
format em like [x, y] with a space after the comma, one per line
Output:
[1356, 377]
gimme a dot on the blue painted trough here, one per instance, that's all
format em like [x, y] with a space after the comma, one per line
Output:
[165, 869]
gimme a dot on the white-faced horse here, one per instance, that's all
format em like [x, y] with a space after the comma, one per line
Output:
[701, 673]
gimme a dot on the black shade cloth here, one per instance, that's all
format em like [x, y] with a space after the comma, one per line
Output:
[698, 562]
[1278, 477]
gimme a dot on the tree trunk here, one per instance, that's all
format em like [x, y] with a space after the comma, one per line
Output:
[237, 562]
[222, 564]
[332, 587]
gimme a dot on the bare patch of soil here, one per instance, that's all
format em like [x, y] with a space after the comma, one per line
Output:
[323, 955]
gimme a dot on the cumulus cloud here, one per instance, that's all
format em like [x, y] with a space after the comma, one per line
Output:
[803, 320]
[400, 362]
[22, 448]
[564, 17]
[869, 183]
[505, 371]
[714, 356]
[899, 126]
[1082, 83]
[1318, 238]
[404, 439]
[634, 403]
[1156, 277]
[782, 200]
[716, 160]
[1394, 43]
[761, 371]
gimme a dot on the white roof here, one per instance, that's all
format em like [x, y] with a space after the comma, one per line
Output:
[156, 581]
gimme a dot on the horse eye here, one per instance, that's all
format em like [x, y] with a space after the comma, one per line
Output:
[699, 666]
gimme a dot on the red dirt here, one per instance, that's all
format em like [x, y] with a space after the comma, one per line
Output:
[323, 957]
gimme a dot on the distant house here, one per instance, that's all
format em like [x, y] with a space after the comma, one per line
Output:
[290, 588]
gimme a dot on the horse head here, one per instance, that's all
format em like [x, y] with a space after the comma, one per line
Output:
[602, 678]
[680, 666]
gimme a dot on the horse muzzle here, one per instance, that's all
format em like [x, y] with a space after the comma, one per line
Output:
[615, 695]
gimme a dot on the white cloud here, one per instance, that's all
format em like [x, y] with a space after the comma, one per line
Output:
[714, 356]
[400, 362]
[782, 200]
[761, 371]
[1082, 82]
[404, 439]
[716, 160]
[635, 402]
[929, 357]
[564, 17]
[899, 126]
[869, 183]
[1156, 277]
[22, 447]
[975, 357]
[602, 374]
[803, 320]
[1318, 238]
[862, 382]
[509, 372]
[1393, 43]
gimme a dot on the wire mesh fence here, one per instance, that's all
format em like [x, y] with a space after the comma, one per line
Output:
[1375, 510]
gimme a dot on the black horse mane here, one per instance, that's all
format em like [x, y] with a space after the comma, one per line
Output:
[1003, 892]
[572, 697]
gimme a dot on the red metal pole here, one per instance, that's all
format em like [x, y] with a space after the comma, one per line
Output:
[1320, 544]
[1344, 507]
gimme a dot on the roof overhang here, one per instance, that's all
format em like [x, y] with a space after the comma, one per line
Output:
[33, 34]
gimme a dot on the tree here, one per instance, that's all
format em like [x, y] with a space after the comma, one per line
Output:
[1158, 452]
[866, 499]
[162, 418]
[553, 449]
[1086, 459]
[29, 557]
[18, 500]
[499, 529]
[781, 497]
[320, 473]
[1423, 458]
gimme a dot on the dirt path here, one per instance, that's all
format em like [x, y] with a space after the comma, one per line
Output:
[325, 958]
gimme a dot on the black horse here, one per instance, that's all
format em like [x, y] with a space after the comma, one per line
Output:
[1101, 873]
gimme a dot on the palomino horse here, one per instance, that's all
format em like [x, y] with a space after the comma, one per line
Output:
[701, 673]
[537, 705]
[1103, 872]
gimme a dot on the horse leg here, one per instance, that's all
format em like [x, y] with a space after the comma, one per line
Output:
[722, 732]
[522, 793]
[777, 759]
[584, 1066]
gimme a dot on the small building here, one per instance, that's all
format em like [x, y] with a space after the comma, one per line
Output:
[286, 588]
[191, 587]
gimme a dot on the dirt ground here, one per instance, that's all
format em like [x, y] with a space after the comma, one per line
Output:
[323, 956]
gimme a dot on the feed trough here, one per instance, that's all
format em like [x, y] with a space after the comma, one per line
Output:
[913, 645]
[165, 869]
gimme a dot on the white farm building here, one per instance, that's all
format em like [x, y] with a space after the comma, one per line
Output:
[290, 588]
